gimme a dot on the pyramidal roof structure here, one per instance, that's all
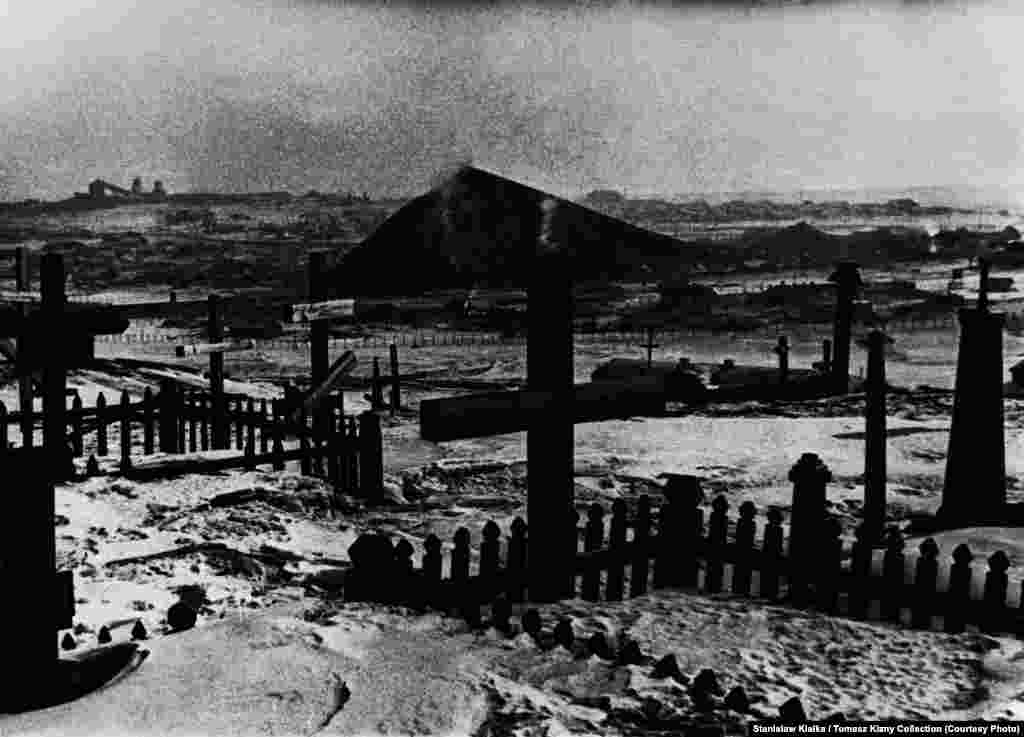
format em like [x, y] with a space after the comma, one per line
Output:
[477, 228]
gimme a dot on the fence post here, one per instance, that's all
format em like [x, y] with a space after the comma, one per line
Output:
[239, 424]
[746, 531]
[396, 392]
[371, 462]
[180, 417]
[126, 433]
[101, 426]
[304, 462]
[994, 617]
[168, 431]
[925, 576]
[771, 561]
[432, 569]
[616, 550]
[809, 477]
[205, 415]
[592, 540]
[892, 573]
[264, 437]
[860, 570]
[333, 445]
[718, 526]
[76, 427]
[641, 548]
[516, 568]
[782, 351]
[490, 560]
[691, 526]
[376, 390]
[277, 429]
[192, 407]
[831, 566]
[250, 434]
[958, 599]
[147, 421]
[875, 436]
[220, 429]
[460, 568]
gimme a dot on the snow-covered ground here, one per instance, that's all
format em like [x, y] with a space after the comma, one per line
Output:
[263, 554]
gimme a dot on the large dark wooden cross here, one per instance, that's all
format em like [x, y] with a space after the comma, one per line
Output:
[547, 409]
[50, 340]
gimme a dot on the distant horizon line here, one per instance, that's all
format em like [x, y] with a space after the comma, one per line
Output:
[995, 194]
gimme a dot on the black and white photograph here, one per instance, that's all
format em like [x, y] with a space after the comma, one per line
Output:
[511, 369]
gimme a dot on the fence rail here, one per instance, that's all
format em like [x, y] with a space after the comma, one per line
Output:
[344, 449]
[583, 335]
[632, 556]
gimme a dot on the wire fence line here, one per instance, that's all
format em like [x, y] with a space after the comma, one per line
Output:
[443, 338]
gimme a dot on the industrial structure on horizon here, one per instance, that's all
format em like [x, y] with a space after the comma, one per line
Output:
[100, 189]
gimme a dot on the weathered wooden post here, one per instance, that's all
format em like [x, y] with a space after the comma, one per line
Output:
[847, 279]
[826, 355]
[550, 438]
[219, 428]
[28, 566]
[376, 391]
[55, 371]
[167, 417]
[651, 345]
[371, 461]
[24, 283]
[126, 433]
[318, 344]
[975, 484]
[807, 520]
[396, 391]
[875, 437]
[782, 351]
[22, 269]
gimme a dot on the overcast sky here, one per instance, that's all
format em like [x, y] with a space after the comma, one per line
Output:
[237, 95]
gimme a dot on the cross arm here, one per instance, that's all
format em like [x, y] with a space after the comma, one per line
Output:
[498, 413]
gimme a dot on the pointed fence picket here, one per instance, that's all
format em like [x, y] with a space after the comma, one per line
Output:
[836, 581]
[177, 422]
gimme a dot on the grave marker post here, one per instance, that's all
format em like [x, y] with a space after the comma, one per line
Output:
[875, 438]
[55, 370]
[975, 483]
[220, 430]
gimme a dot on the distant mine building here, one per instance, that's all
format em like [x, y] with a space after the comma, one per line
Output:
[158, 189]
[137, 186]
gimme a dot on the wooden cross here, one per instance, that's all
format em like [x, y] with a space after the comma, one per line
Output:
[51, 340]
[548, 410]
[651, 345]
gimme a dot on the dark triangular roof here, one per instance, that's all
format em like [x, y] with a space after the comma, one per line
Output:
[480, 228]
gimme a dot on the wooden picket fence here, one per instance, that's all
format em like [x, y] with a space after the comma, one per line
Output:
[338, 447]
[726, 555]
